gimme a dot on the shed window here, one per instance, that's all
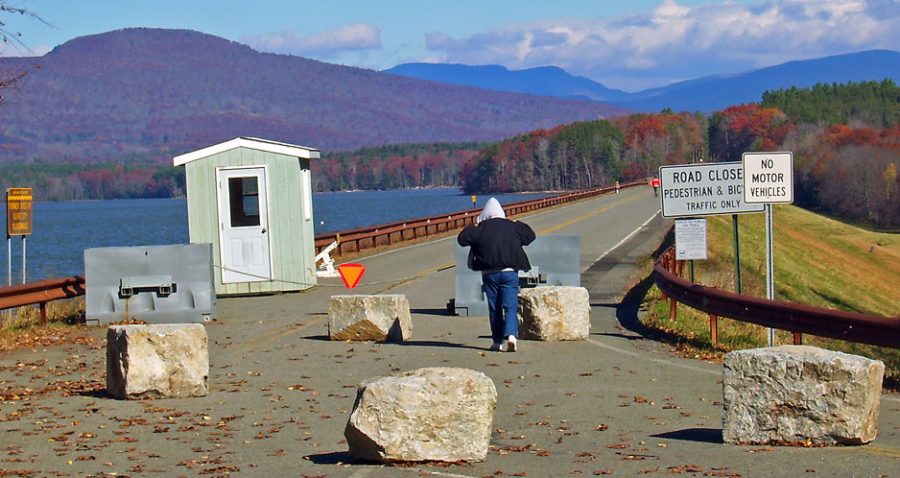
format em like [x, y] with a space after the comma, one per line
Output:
[243, 194]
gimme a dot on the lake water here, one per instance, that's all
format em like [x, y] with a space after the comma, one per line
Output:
[63, 230]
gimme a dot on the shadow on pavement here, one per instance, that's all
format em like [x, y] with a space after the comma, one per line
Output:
[331, 458]
[703, 435]
[408, 343]
[439, 312]
[323, 338]
[435, 343]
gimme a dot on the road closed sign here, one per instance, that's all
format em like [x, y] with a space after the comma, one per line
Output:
[704, 189]
[768, 178]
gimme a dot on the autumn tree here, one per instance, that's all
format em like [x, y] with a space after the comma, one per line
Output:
[739, 129]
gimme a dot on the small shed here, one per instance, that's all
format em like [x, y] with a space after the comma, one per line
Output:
[251, 199]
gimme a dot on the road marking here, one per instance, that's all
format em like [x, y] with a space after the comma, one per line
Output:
[622, 241]
[582, 217]
[667, 361]
[427, 272]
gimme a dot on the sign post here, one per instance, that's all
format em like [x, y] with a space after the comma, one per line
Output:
[18, 223]
[769, 179]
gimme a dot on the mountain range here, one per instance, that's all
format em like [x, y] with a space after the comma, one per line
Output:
[142, 94]
[139, 94]
[706, 94]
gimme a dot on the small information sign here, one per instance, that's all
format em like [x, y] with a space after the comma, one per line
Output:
[690, 239]
[704, 189]
[768, 178]
[18, 211]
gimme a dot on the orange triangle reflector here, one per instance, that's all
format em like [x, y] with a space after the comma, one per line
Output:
[351, 274]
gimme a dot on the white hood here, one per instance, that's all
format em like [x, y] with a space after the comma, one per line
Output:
[491, 210]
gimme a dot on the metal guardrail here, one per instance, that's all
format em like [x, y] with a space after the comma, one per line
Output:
[41, 292]
[796, 318]
[356, 240]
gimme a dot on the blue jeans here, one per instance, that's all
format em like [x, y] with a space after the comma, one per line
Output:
[502, 290]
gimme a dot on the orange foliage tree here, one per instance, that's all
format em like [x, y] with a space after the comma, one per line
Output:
[739, 129]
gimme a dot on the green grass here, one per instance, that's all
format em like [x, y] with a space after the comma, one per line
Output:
[818, 261]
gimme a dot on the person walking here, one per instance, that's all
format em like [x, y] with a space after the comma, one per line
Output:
[496, 249]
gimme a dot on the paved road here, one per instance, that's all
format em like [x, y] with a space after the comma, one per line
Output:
[281, 392]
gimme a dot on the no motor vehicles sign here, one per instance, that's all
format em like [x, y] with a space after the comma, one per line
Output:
[768, 178]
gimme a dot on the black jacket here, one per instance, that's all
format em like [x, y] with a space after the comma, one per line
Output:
[496, 244]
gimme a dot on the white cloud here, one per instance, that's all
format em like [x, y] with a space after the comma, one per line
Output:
[675, 42]
[323, 45]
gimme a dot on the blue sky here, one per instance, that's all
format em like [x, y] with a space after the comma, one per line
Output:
[630, 45]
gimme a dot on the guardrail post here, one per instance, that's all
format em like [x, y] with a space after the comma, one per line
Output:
[673, 309]
[43, 313]
[714, 329]
[664, 262]
[798, 338]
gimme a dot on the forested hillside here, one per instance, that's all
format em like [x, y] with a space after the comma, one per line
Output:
[845, 140]
[588, 154]
[871, 103]
[391, 167]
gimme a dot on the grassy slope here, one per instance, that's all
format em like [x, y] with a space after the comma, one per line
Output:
[818, 261]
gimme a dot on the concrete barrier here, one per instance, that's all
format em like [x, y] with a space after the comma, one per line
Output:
[800, 395]
[429, 414]
[157, 361]
[554, 313]
[379, 318]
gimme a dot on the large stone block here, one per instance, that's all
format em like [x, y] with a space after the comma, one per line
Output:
[554, 313]
[157, 361]
[429, 414]
[378, 318]
[800, 395]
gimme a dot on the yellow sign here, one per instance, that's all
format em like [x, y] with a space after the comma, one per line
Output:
[18, 211]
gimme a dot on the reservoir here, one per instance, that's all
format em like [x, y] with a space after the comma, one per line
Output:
[63, 230]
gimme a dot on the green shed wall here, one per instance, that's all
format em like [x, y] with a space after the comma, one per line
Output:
[291, 235]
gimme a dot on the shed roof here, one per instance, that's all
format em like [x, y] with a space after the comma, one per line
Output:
[251, 143]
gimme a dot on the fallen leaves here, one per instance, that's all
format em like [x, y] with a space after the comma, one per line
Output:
[685, 469]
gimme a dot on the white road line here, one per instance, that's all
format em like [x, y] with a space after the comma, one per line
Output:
[629, 236]
[668, 361]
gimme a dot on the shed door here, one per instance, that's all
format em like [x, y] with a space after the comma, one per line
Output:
[244, 225]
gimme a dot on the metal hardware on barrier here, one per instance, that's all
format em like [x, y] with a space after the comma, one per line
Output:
[162, 286]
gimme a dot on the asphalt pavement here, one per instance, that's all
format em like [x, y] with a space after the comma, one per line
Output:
[281, 392]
